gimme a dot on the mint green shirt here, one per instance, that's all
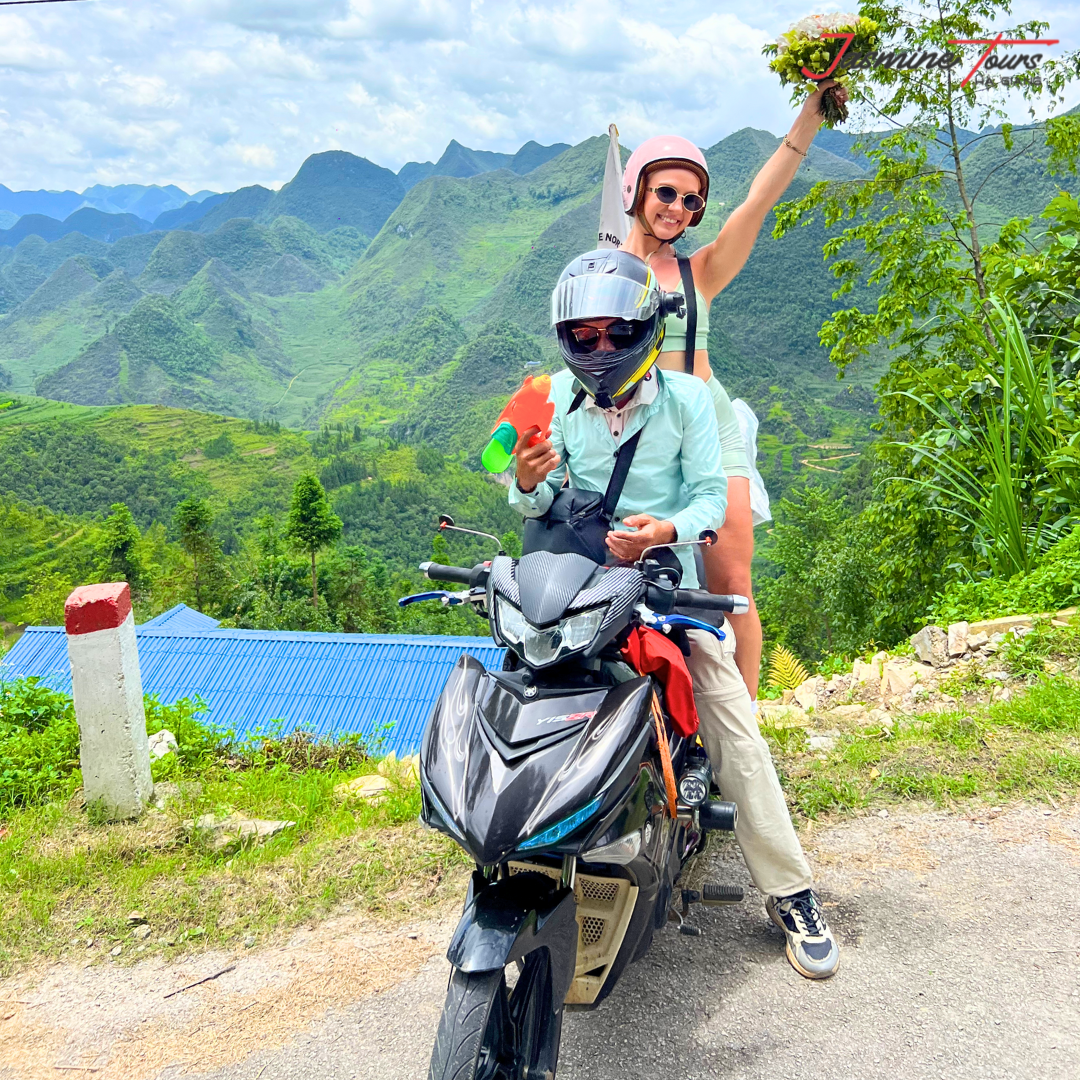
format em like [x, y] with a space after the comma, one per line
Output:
[676, 475]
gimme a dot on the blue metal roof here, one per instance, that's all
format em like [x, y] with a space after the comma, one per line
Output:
[330, 684]
[182, 617]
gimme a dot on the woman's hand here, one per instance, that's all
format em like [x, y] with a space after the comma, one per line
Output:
[628, 546]
[812, 105]
[533, 463]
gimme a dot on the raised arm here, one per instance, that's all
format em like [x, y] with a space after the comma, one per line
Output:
[716, 264]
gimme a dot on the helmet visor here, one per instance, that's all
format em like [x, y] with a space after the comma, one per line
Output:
[603, 296]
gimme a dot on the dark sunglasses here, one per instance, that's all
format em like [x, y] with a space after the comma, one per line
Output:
[621, 335]
[691, 201]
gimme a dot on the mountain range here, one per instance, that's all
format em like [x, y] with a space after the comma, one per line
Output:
[407, 303]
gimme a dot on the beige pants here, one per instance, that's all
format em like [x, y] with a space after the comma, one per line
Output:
[743, 767]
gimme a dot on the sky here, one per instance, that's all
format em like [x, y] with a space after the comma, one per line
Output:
[218, 94]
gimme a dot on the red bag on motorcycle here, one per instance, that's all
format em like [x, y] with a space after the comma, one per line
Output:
[651, 653]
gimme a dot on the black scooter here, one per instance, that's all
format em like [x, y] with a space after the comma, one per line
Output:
[562, 779]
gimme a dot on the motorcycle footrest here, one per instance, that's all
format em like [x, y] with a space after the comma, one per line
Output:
[712, 894]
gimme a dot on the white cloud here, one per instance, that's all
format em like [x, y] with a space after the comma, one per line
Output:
[20, 47]
[224, 93]
[258, 157]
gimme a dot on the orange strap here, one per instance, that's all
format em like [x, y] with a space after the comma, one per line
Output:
[665, 756]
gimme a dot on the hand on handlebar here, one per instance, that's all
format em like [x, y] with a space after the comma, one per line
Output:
[533, 463]
[628, 546]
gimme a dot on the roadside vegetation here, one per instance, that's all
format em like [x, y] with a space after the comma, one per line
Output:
[68, 887]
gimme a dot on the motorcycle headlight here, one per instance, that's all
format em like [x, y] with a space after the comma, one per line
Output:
[543, 647]
[552, 835]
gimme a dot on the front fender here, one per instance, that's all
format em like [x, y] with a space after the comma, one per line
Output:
[506, 920]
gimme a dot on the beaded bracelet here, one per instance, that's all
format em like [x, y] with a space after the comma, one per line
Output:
[791, 146]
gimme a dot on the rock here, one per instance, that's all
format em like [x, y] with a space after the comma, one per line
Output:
[997, 675]
[822, 742]
[883, 813]
[999, 626]
[837, 684]
[779, 715]
[116, 951]
[898, 677]
[918, 693]
[788, 697]
[863, 672]
[858, 713]
[1003, 693]
[807, 694]
[977, 641]
[135, 917]
[373, 787]
[235, 831]
[958, 638]
[931, 646]
[388, 764]
[141, 933]
[161, 744]
[249, 942]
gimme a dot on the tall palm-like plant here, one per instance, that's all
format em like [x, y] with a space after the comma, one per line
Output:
[1000, 453]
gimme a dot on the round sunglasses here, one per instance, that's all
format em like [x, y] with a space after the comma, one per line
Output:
[620, 334]
[692, 201]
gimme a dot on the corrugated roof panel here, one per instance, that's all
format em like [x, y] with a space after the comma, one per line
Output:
[332, 684]
[182, 619]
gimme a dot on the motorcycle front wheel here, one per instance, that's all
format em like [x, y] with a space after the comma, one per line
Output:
[491, 1032]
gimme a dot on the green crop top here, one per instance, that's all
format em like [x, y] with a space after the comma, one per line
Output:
[733, 457]
[675, 328]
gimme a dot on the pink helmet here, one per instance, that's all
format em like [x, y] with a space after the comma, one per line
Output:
[656, 152]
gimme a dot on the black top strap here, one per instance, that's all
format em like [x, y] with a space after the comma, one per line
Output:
[623, 460]
[687, 275]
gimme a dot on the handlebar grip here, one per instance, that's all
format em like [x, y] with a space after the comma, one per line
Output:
[706, 601]
[473, 576]
[461, 575]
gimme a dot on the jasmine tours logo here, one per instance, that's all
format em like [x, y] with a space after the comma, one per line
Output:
[930, 60]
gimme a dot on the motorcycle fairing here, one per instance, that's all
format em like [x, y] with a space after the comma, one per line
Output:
[493, 805]
[547, 587]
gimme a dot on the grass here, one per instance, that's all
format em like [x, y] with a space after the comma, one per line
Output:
[1028, 747]
[64, 882]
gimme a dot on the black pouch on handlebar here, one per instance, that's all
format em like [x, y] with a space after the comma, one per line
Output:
[578, 521]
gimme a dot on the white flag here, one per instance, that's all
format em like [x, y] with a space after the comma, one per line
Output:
[614, 224]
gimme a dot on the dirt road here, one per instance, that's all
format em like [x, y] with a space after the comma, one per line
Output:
[961, 953]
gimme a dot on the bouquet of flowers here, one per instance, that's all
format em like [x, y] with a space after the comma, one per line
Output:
[805, 48]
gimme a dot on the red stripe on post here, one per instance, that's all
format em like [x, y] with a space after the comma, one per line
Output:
[97, 607]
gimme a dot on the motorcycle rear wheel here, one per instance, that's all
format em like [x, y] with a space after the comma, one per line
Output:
[490, 1032]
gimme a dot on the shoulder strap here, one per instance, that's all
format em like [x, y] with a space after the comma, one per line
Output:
[687, 275]
[623, 459]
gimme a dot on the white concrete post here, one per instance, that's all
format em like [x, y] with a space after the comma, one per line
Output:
[107, 688]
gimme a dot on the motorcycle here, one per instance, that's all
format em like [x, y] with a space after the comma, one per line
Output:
[563, 779]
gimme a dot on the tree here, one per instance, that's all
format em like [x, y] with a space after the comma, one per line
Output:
[917, 234]
[192, 519]
[120, 560]
[312, 523]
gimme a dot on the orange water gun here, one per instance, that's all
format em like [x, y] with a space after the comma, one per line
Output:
[529, 407]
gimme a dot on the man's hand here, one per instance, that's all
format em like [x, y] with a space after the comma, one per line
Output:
[628, 546]
[533, 463]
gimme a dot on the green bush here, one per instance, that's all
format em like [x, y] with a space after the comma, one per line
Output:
[39, 741]
[1052, 585]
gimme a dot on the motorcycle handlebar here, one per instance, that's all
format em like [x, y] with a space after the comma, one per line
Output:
[461, 575]
[665, 601]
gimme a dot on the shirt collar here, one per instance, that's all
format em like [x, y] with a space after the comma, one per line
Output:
[645, 394]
